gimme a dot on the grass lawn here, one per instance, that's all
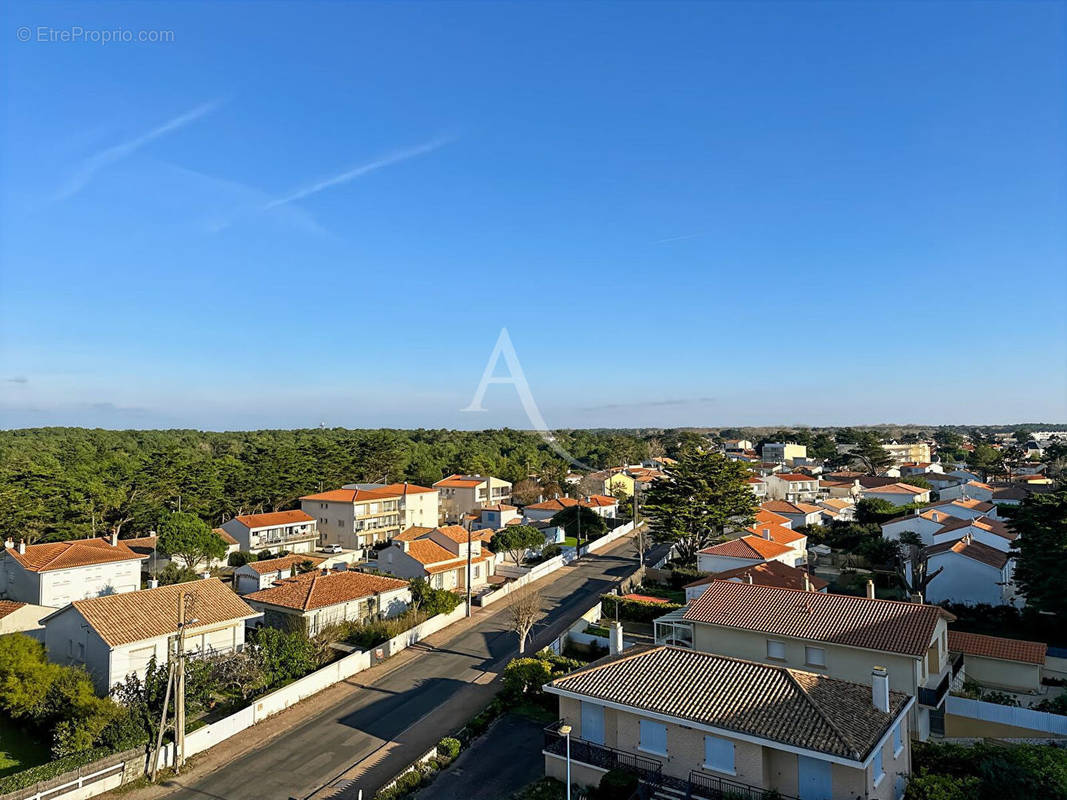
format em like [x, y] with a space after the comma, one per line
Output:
[570, 541]
[19, 750]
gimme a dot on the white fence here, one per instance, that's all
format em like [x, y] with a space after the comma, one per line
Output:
[608, 538]
[1041, 721]
[208, 736]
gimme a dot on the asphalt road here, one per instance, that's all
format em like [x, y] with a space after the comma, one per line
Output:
[403, 713]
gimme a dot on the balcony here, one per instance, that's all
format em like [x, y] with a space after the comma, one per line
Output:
[934, 697]
[597, 755]
[276, 536]
[702, 786]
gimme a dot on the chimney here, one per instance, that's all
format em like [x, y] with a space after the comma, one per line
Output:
[22, 547]
[9, 543]
[880, 689]
[870, 590]
[615, 638]
[917, 597]
[114, 538]
[748, 577]
[404, 545]
[807, 583]
[767, 533]
[153, 583]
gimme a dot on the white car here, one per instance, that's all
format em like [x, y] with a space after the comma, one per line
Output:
[331, 548]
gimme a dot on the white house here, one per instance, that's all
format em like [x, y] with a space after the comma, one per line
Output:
[599, 504]
[767, 573]
[256, 575]
[975, 490]
[320, 598]
[973, 573]
[794, 487]
[439, 555]
[758, 487]
[117, 635]
[840, 508]
[294, 531]
[462, 494]
[899, 494]
[925, 523]
[21, 617]
[798, 514]
[965, 508]
[56, 573]
[497, 516]
[990, 532]
[744, 552]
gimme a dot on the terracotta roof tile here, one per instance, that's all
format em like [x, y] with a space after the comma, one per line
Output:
[969, 548]
[783, 507]
[252, 521]
[389, 491]
[283, 563]
[317, 590]
[795, 708]
[976, 644]
[885, 625]
[769, 573]
[9, 607]
[754, 547]
[69, 554]
[134, 616]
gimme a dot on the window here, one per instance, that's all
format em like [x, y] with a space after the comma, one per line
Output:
[898, 739]
[775, 650]
[719, 754]
[474, 571]
[814, 656]
[876, 768]
[653, 737]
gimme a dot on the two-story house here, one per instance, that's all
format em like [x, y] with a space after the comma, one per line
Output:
[795, 487]
[899, 494]
[359, 515]
[923, 523]
[698, 724]
[463, 494]
[440, 556]
[256, 575]
[990, 532]
[118, 635]
[970, 572]
[745, 551]
[799, 514]
[56, 573]
[837, 635]
[294, 531]
[599, 504]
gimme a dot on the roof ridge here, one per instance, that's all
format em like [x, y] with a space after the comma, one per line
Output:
[818, 709]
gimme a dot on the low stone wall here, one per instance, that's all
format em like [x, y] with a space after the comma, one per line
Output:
[86, 781]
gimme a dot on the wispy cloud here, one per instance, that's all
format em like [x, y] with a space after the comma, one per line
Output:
[17, 379]
[681, 238]
[111, 155]
[396, 157]
[689, 401]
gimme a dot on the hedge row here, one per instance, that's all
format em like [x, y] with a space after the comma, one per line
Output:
[44, 772]
[633, 610]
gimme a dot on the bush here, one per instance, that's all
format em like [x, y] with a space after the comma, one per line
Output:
[987, 772]
[524, 677]
[43, 772]
[680, 576]
[433, 601]
[172, 574]
[448, 747]
[240, 558]
[634, 610]
[1055, 705]
[617, 783]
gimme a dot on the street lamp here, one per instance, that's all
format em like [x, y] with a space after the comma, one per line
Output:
[565, 732]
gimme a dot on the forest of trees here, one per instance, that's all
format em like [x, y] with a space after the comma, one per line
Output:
[58, 483]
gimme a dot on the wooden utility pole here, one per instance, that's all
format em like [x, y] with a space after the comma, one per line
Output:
[468, 568]
[162, 723]
[179, 695]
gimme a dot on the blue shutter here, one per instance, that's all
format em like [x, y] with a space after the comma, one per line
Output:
[653, 736]
[719, 754]
[592, 723]
[814, 779]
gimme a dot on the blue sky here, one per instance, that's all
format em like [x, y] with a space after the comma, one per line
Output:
[684, 214]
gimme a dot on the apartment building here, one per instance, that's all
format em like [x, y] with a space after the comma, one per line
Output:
[794, 487]
[783, 452]
[841, 636]
[697, 724]
[910, 452]
[295, 531]
[359, 515]
[464, 494]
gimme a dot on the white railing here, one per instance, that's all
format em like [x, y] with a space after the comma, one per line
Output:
[1006, 715]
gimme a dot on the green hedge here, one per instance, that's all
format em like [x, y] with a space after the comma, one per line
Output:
[633, 610]
[44, 772]
[680, 576]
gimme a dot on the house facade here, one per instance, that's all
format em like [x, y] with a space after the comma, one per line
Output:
[463, 494]
[359, 515]
[972, 573]
[783, 452]
[599, 504]
[990, 532]
[294, 531]
[795, 487]
[837, 635]
[117, 635]
[56, 573]
[696, 724]
[257, 575]
[745, 551]
[899, 494]
[439, 555]
[315, 600]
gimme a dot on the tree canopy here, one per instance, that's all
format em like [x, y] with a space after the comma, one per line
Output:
[701, 494]
[1041, 521]
[515, 540]
[189, 538]
[580, 522]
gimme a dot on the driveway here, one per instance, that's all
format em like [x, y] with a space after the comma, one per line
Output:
[504, 760]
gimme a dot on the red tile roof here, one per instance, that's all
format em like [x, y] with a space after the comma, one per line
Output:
[273, 518]
[777, 533]
[994, 526]
[461, 481]
[560, 503]
[793, 476]
[753, 547]
[969, 548]
[317, 589]
[9, 607]
[390, 491]
[783, 507]
[895, 488]
[69, 554]
[885, 625]
[769, 573]
[283, 563]
[976, 644]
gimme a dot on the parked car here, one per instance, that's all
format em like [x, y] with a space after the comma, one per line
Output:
[331, 548]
